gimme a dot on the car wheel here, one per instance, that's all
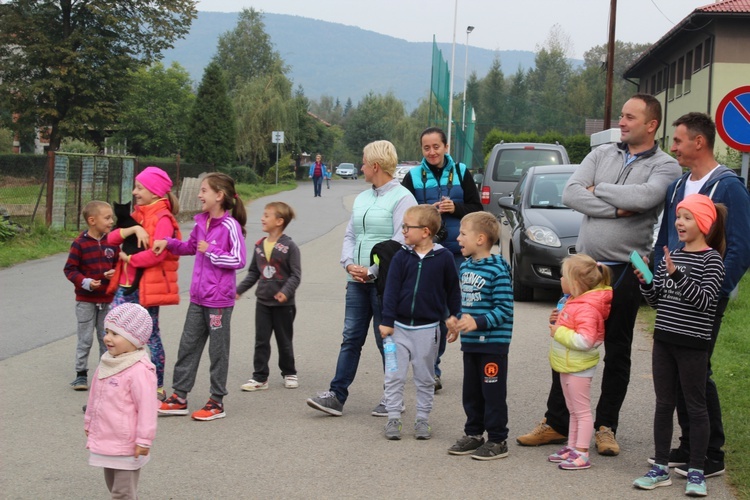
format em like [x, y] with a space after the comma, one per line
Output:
[521, 293]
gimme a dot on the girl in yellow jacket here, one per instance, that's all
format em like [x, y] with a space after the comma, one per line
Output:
[577, 331]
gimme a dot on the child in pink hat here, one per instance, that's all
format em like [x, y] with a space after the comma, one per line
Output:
[155, 210]
[120, 420]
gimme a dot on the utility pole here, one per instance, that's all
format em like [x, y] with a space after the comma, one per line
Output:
[610, 65]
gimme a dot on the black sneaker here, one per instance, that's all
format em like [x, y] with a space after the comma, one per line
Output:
[491, 451]
[677, 457]
[711, 468]
[466, 445]
[327, 402]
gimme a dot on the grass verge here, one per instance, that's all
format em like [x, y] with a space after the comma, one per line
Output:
[41, 242]
[731, 366]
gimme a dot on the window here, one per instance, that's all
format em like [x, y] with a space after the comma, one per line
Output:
[672, 74]
[698, 61]
[680, 76]
[659, 81]
[654, 89]
[688, 72]
[707, 52]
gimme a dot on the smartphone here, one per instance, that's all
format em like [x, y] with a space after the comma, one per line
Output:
[637, 261]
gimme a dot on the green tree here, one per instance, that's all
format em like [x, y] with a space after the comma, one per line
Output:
[492, 96]
[64, 64]
[156, 111]
[518, 102]
[246, 52]
[376, 117]
[212, 131]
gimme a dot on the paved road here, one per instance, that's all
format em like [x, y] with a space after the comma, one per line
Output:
[271, 445]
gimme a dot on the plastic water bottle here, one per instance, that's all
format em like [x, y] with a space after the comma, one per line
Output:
[389, 350]
[561, 303]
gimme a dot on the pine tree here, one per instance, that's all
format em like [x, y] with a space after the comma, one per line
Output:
[212, 133]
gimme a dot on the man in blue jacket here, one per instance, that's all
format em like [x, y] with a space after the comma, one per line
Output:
[693, 145]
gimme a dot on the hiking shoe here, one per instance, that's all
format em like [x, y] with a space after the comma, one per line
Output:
[253, 385]
[560, 455]
[696, 484]
[173, 406]
[438, 383]
[393, 429]
[657, 476]
[575, 461]
[327, 402]
[161, 395]
[677, 457]
[380, 411]
[291, 382]
[84, 408]
[606, 444]
[422, 429]
[81, 383]
[466, 445]
[541, 434]
[491, 451]
[211, 411]
[711, 468]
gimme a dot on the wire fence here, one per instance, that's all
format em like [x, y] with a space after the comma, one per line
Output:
[53, 189]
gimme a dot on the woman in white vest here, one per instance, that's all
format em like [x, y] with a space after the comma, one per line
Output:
[377, 215]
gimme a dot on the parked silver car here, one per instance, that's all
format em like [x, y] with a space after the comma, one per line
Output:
[347, 171]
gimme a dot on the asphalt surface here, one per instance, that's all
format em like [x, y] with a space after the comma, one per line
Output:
[271, 444]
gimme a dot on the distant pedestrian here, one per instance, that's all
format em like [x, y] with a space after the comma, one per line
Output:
[577, 331]
[486, 328]
[684, 292]
[155, 210]
[276, 267]
[317, 173]
[422, 283]
[218, 243]
[120, 421]
[328, 178]
[90, 265]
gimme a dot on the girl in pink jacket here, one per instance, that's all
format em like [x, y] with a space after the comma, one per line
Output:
[120, 420]
[577, 331]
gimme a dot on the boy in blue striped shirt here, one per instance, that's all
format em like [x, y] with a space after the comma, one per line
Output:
[486, 326]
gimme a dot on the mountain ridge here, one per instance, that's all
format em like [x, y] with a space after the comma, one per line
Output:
[326, 58]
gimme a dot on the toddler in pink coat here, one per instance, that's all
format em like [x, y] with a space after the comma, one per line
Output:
[120, 420]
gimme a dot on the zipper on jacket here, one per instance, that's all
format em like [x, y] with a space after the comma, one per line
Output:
[416, 287]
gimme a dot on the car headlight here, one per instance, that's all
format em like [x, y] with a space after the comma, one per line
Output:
[543, 235]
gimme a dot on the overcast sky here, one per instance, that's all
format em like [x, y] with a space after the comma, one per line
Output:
[499, 24]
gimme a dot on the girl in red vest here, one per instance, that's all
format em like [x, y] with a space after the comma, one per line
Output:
[155, 208]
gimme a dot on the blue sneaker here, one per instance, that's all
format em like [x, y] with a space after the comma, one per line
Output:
[657, 476]
[696, 484]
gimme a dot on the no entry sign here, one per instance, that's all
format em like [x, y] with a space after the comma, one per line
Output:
[733, 119]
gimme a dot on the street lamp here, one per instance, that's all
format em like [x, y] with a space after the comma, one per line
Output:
[469, 29]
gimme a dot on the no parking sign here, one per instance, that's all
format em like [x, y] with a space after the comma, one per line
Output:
[733, 119]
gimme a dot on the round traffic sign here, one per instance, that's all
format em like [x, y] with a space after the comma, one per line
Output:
[733, 119]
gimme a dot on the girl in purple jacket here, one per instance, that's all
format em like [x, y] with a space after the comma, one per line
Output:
[218, 243]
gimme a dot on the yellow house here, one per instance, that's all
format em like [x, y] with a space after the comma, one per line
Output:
[697, 63]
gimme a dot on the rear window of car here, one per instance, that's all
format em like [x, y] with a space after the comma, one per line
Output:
[511, 164]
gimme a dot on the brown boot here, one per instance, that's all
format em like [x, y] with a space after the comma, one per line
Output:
[541, 434]
[606, 444]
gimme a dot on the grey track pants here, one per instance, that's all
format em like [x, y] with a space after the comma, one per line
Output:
[90, 316]
[203, 324]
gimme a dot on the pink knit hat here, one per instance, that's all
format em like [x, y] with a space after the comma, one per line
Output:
[131, 321]
[702, 208]
[155, 180]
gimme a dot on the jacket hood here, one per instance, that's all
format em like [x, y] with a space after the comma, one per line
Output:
[600, 298]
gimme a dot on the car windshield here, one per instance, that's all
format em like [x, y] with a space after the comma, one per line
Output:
[546, 190]
[513, 163]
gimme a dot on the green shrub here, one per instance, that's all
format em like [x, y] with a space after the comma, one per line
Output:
[8, 230]
[23, 165]
[242, 174]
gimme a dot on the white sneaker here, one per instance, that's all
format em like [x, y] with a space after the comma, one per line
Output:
[290, 381]
[254, 385]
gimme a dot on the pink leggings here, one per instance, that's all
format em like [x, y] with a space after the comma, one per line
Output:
[577, 391]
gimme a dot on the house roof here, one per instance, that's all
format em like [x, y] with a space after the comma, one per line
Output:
[721, 9]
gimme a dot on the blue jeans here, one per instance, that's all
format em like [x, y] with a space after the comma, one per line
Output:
[362, 305]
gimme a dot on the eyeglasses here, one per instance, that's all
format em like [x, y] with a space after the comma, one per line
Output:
[405, 227]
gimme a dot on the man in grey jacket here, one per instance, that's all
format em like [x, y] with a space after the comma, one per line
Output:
[620, 189]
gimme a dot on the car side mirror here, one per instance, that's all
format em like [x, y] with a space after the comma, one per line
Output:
[478, 179]
[506, 202]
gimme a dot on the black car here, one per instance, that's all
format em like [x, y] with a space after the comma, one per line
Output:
[538, 231]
